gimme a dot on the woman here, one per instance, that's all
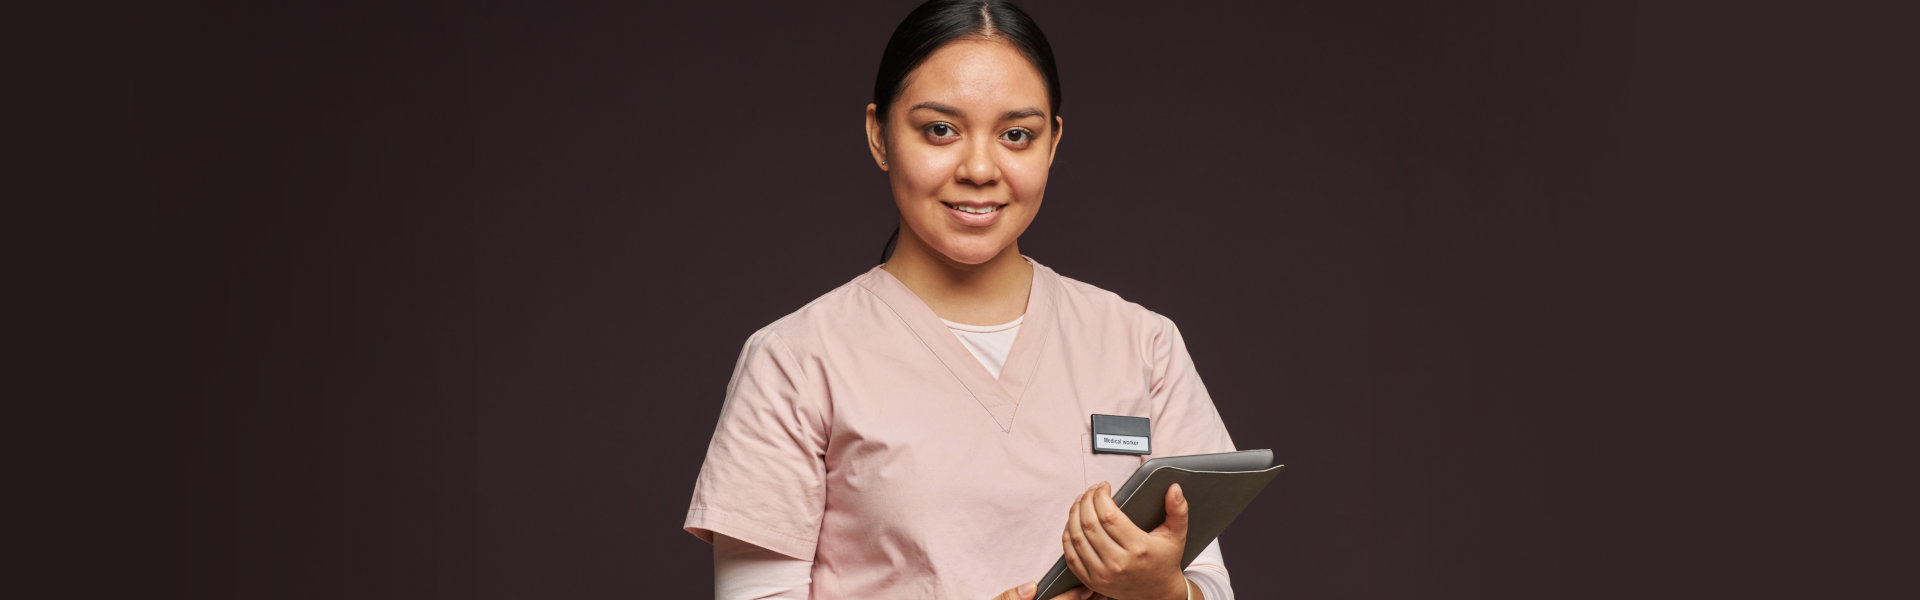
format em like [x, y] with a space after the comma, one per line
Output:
[921, 431]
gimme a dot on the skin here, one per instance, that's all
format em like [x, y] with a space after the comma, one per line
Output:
[1110, 554]
[1106, 551]
[948, 139]
[973, 125]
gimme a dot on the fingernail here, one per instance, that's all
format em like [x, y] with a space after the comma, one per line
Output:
[1026, 589]
[1179, 495]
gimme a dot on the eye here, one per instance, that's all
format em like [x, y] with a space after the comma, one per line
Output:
[940, 130]
[1017, 136]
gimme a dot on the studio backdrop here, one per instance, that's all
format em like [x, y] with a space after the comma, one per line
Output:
[471, 279]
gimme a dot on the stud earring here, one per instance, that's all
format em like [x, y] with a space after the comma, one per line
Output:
[883, 162]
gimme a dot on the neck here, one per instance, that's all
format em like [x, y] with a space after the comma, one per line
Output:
[989, 293]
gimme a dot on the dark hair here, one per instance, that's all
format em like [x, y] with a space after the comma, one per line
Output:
[937, 23]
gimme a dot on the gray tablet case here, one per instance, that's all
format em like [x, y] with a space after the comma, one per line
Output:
[1217, 487]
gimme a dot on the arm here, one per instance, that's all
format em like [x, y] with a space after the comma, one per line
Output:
[743, 571]
[1186, 418]
[764, 478]
[1209, 575]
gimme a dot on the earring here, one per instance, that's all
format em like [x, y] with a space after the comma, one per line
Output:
[883, 162]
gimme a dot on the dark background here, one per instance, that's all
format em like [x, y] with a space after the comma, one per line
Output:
[453, 290]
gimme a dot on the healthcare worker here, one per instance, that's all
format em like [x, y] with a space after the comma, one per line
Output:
[924, 431]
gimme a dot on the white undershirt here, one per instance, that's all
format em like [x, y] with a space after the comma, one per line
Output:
[988, 343]
[744, 571]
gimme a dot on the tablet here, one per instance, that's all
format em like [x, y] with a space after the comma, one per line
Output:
[1217, 487]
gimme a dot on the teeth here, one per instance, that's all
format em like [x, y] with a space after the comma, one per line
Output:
[977, 211]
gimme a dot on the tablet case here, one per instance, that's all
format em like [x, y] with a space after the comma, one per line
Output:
[1217, 487]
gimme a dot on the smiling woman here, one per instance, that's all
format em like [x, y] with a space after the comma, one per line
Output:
[868, 446]
[967, 161]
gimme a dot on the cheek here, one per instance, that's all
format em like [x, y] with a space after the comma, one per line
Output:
[1028, 178]
[921, 175]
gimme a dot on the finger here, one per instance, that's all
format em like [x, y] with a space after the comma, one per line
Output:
[1077, 532]
[1072, 556]
[1178, 512]
[1096, 528]
[1118, 527]
[1023, 592]
[1077, 559]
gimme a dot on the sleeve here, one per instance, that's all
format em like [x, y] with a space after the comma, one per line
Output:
[1209, 573]
[764, 479]
[743, 571]
[1184, 420]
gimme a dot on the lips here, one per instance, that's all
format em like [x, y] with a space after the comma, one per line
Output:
[974, 214]
[977, 208]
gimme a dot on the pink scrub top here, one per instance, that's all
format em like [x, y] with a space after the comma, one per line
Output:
[859, 433]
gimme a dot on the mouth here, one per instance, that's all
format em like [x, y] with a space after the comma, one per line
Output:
[977, 215]
[976, 208]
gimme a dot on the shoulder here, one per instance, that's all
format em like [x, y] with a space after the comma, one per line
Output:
[846, 310]
[1085, 303]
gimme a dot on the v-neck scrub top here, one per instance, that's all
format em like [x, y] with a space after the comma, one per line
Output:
[859, 433]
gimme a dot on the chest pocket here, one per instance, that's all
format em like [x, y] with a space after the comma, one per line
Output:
[1111, 468]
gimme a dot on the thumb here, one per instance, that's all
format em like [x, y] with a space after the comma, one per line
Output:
[1024, 592]
[1177, 512]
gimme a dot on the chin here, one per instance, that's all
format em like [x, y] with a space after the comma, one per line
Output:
[972, 255]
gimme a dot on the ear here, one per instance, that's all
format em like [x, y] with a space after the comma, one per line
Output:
[876, 137]
[1059, 129]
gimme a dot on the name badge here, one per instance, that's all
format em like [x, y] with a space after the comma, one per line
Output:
[1122, 435]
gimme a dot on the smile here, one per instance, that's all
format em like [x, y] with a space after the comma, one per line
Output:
[976, 215]
[978, 210]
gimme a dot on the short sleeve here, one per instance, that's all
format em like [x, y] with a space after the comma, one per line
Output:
[764, 479]
[1185, 420]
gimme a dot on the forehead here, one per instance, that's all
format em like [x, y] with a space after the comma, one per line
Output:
[987, 75]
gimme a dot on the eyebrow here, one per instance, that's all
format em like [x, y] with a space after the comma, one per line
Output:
[1020, 113]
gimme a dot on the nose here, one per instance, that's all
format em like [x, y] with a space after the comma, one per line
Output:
[978, 167]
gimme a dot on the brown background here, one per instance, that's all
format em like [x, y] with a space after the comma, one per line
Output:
[461, 285]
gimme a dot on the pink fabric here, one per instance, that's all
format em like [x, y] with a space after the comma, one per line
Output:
[859, 433]
[743, 571]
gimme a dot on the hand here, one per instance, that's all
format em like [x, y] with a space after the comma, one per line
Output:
[1025, 592]
[1115, 558]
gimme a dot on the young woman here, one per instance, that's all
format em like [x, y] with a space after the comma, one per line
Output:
[923, 431]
